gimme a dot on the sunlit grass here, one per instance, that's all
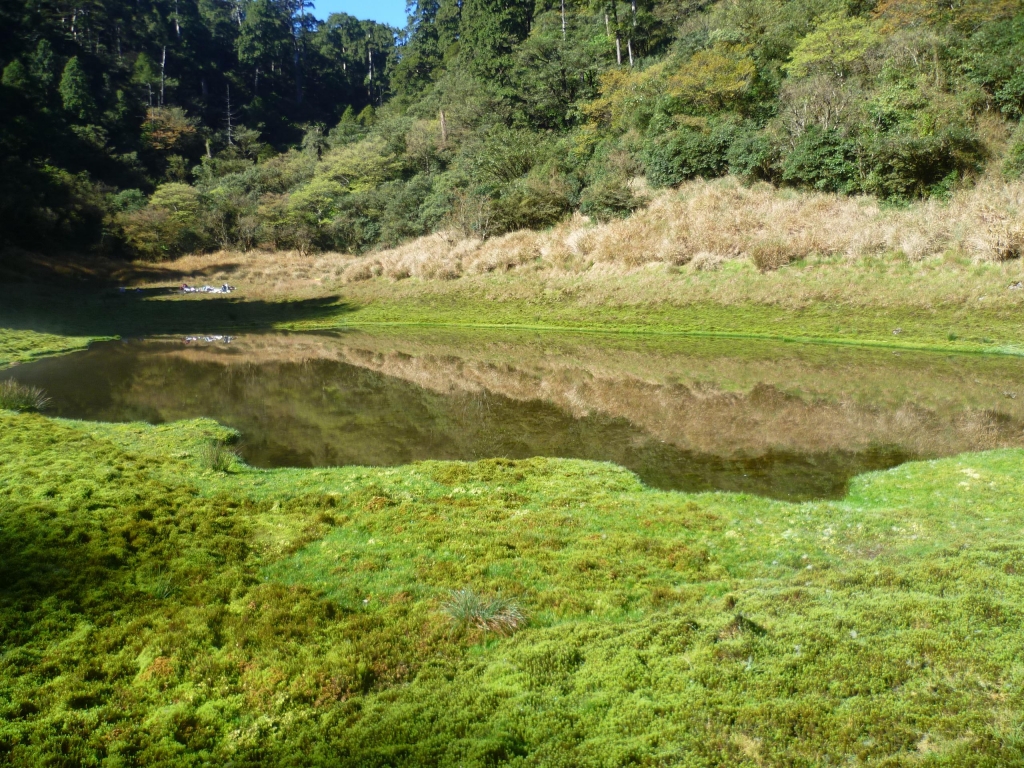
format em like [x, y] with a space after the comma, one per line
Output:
[22, 397]
[217, 456]
[181, 610]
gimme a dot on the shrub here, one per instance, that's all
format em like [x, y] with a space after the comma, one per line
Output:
[1013, 168]
[22, 398]
[127, 201]
[822, 160]
[687, 153]
[531, 203]
[158, 233]
[753, 157]
[466, 610]
[609, 198]
[906, 167]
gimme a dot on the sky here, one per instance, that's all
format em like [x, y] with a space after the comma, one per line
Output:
[385, 11]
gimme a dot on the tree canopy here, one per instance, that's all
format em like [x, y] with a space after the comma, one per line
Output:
[347, 134]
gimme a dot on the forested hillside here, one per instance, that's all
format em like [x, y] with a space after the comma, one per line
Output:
[161, 127]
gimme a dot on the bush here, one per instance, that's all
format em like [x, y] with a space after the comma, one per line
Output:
[466, 610]
[21, 398]
[127, 200]
[158, 233]
[609, 198]
[752, 156]
[907, 167]
[822, 160]
[530, 204]
[687, 153]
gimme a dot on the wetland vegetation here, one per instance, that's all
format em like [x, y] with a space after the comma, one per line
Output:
[606, 384]
[167, 603]
[789, 421]
[157, 611]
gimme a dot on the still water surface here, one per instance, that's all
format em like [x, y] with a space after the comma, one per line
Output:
[782, 420]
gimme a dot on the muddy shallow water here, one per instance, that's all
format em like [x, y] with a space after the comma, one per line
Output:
[783, 420]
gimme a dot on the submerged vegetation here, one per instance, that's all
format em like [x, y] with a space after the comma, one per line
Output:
[155, 612]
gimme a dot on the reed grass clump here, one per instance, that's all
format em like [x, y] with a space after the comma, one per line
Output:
[217, 456]
[468, 611]
[723, 220]
[21, 397]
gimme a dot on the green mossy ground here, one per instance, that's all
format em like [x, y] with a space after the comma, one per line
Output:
[158, 613]
[21, 346]
[942, 328]
[57, 322]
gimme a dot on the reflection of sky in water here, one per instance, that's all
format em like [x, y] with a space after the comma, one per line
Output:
[786, 420]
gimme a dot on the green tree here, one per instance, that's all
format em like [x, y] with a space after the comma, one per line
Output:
[75, 92]
[714, 79]
[16, 76]
[834, 48]
[43, 66]
[489, 30]
[145, 73]
[263, 40]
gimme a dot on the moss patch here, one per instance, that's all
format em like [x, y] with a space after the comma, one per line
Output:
[24, 345]
[155, 612]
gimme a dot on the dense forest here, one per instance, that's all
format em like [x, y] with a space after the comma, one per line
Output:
[157, 127]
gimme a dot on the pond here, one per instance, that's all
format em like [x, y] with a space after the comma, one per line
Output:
[789, 421]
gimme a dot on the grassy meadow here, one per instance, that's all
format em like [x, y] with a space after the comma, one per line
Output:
[710, 258]
[165, 604]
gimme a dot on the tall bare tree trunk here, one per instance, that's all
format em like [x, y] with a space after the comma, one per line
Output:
[163, 74]
[629, 43]
[563, 21]
[231, 125]
[369, 84]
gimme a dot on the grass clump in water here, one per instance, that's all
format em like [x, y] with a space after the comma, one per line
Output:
[468, 611]
[21, 397]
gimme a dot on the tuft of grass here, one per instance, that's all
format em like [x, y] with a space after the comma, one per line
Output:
[466, 611]
[21, 397]
[217, 456]
[769, 255]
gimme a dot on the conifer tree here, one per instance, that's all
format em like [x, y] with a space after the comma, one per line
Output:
[74, 91]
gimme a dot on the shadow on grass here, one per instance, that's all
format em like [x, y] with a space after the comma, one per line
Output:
[82, 311]
[77, 270]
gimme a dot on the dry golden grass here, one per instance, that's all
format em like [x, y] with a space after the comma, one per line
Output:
[705, 222]
[717, 241]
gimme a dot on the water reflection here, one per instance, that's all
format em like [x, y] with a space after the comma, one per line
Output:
[787, 421]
